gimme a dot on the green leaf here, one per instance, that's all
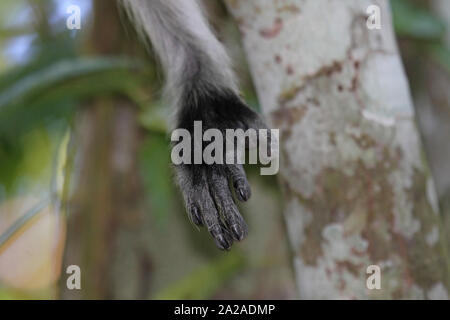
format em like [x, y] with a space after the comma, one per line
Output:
[413, 21]
[58, 73]
[52, 91]
[37, 95]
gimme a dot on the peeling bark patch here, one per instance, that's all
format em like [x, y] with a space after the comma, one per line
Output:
[288, 116]
[386, 121]
[289, 94]
[273, 31]
[354, 83]
[342, 198]
[292, 8]
[364, 141]
[326, 70]
[354, 269]
[289, 70]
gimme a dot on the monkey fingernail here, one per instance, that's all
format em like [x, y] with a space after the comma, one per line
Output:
[222, 242]
[196, 218]
[244, 195]
[238, 233]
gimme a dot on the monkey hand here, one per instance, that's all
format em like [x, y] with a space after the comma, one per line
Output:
[210, 190]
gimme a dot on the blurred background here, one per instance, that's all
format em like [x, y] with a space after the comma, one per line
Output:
[85, 174]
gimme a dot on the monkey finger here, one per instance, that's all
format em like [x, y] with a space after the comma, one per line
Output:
[236, 174]
[223, 199]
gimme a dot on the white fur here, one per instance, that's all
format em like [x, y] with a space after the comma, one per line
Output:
[192, 57]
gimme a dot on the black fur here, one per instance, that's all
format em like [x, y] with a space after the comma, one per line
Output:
[208, 189]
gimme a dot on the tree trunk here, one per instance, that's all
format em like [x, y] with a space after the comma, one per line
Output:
[357, 188]
[106, 219]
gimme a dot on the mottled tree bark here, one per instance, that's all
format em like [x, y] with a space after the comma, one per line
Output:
[356, 184]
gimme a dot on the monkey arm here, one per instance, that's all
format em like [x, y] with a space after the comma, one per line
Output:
[201, 86]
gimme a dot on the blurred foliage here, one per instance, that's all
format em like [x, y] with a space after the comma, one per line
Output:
[43, 95]
[8, 234]
[440, 55]
[155, 171]
[204, 282]
[416, 21]
[39, 98]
